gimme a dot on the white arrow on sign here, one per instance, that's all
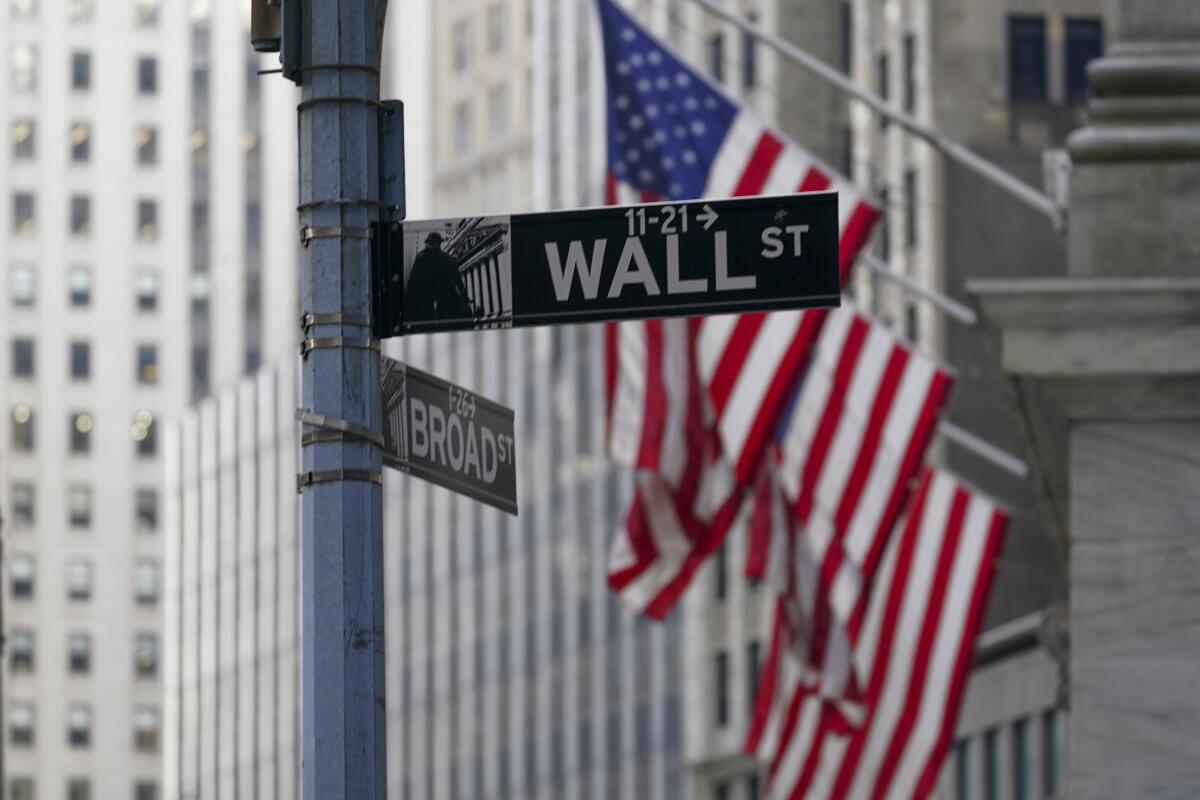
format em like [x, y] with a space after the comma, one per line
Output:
[707, 216]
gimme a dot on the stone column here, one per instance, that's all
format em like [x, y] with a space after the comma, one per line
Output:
[1105, 364]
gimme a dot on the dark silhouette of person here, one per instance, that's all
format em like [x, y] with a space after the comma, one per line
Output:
[435, 290]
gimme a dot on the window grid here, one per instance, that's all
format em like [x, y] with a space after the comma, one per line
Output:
[1027, 59]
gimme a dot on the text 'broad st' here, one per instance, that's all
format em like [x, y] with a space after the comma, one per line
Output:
[611, 263]
[448, 435]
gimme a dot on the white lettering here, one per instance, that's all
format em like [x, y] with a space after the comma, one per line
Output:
[773, 248]
[454, 443]
[633, 253]
[490, 464]
[796, 231]
[674, 284]
[472, 451]
[437, 434]
[589, 273]
[724, 282]
[420, 434]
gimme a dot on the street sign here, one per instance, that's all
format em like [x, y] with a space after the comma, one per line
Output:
[608, 263]
[448, 435]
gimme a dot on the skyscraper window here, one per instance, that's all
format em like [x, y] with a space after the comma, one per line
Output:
[79, 725]
[81, 142]
[22, 284]
[81, 71]
[79, 579]
[79, 286]
[147, 75]
[23, 357]
[24, 213]
[22, 67]
[145, 12]
[22, 429]
[145, 285]
[24, 142]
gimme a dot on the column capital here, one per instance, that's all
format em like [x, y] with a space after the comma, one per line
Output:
[1145, 93]
[1101, 348]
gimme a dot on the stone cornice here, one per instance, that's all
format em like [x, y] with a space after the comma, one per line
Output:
[1101, 347]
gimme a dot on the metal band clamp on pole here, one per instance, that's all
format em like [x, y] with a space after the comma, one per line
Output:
[334, 475]
[319, 100]
[309, 232]
[310, 320]
[339, 426]
[337, 342]
[371, 68]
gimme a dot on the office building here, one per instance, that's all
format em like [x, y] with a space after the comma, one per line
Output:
[512, 670]
[127, 290]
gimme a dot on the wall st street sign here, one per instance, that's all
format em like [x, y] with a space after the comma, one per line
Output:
[609, 263]
[448, 435]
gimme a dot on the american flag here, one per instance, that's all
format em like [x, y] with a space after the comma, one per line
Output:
[674, 135]
[913, 653]
[849, 454]
[878, 591]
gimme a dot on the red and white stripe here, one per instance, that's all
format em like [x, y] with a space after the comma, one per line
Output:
[914, 650]
[848, 459]
[858, 434]
[750, 363]
[746, 368]
[669, 532]
[792, 577]
[654, 402]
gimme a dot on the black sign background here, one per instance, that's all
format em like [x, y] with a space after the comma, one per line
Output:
[756, 243]
[416, 443]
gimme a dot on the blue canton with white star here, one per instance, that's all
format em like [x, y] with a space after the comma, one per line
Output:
[666, 122]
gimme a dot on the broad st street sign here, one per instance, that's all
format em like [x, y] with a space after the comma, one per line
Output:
[609, 263]
[448, 435]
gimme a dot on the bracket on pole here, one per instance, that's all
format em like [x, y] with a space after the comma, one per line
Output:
[309, 232]
[340, 426]
[310, 320]
[337, 343]
[387, 281]
[332, 475]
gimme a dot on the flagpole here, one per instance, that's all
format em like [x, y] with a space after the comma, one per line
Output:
[947, 304]
[983, 448]
[949, 148]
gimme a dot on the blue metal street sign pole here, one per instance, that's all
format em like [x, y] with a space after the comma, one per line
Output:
[344, 753]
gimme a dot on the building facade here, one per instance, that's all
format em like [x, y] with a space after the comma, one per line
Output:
[127, 291]
[1008, 80]
[513, 672]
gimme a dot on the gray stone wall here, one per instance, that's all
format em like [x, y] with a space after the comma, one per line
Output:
[1135, 610]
